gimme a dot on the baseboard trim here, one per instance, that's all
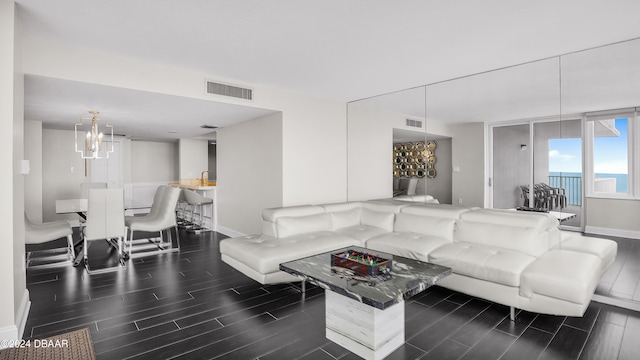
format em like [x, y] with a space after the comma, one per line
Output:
[625, 304]
[8, 333]
[229, 232]
[596, 230]
[15, 332]
[23, 312]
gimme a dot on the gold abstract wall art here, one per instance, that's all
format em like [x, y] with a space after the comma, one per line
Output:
[414, 159]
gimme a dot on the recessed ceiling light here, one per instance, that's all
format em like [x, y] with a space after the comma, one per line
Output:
[172, 132]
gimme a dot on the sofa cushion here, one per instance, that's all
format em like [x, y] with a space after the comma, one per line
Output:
[273, 214]
[385, 205]
[411, 245]
[270, 216]
[426, 225]
[265, 254]
[527, 240]
[362, 233]
[605, 249]
[561, 274]
[346, 218]
[335, 207]
[442, 211]
[294, 225]
[514, 218]
[482, 262]
[383, 220]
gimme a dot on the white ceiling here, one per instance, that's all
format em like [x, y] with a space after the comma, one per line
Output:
[334, 49]
[134, 114]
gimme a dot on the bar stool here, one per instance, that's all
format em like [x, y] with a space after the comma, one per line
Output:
[196, 202]
[183, 211]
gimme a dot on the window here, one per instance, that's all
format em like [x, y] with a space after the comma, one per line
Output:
[609, 139]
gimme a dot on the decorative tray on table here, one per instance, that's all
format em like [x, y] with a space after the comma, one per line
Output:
[361, 262]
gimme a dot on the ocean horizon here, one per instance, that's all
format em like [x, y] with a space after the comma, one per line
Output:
[622, 180]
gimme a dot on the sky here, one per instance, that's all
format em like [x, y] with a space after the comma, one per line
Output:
[610, 153]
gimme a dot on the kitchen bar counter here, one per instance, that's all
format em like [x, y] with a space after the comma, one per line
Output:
[209, 212]
[194, 184]
[211, 185]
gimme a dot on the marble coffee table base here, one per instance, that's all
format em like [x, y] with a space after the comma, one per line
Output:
[366, 331]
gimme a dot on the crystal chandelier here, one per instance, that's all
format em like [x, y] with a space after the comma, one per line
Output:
[91, 144]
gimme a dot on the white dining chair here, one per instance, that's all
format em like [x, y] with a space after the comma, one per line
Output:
[40, 233]
[161, 218]
[105, 220]
[85, 186]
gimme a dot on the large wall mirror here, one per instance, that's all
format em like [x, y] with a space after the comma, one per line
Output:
[600, 97]
[560, 135]
[511, 98]
[535, 113]
[376, 126]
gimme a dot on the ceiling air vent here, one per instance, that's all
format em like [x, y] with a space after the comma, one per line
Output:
[414, 123]
[228, 90]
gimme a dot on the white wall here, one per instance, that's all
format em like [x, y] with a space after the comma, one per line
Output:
[33, 181]
[249, 173]
[511, 165]
[614, 217]
[469, 154]
[314, 141]
[62, 171]
[193, 158]
[154, 161]
[140, 161]
[314, 130]
[370, 145]
[15, 299]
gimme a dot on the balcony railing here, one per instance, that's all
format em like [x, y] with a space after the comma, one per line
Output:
[572, 186]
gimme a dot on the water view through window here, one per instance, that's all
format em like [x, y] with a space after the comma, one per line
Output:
[610, 161]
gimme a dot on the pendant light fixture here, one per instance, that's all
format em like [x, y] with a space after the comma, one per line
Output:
[90, 141]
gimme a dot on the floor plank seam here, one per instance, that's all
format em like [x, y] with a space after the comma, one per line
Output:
[325, 351]
[45, 281]
[453, 340]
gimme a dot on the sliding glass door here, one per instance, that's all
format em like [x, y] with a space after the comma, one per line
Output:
[558, 176]
[511, 166]
[537, 166]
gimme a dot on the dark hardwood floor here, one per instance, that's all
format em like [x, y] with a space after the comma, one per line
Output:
[622, 280]
[191, 305]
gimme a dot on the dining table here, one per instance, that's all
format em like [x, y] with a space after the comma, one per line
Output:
[80, 206]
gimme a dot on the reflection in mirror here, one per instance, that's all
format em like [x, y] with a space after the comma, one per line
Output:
[383, 133]
[510, 98]
[601, 86]
[420, 183]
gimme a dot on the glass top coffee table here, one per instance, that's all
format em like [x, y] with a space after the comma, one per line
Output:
[365, 314]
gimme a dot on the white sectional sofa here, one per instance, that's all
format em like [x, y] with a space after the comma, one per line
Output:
[518, 259]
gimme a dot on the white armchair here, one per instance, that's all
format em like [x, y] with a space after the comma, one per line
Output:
[161, 218]
[40, 233]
